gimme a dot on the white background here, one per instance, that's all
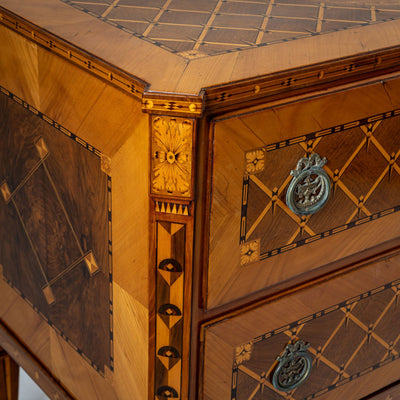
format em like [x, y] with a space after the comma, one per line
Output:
[28, 390]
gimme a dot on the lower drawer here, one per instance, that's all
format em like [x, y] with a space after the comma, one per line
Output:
[391, 393]
[339, 339]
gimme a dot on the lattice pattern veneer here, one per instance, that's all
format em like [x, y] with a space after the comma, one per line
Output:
[362, 164]
[195, 28]
[347, 340]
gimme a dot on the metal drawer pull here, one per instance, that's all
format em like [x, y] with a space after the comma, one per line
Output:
[294, 367]
[310, 186]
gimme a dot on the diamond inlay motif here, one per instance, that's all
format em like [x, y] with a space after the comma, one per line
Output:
[55, 228]
[193, 28]
[347, 341]
[170, 309]
[362, 164]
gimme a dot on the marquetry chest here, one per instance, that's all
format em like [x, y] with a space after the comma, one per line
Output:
[200, 199]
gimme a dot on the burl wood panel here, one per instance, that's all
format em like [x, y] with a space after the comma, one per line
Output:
[255, 240]
[352, 326]
[55, 248]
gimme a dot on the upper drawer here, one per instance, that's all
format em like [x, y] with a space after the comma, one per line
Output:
[350, 326]
[262, 229]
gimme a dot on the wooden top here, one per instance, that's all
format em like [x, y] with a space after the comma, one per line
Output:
[193, 29]
[183, 46]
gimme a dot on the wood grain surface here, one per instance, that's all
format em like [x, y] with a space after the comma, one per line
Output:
[347, 337]
[9, 373]
[23, 358]
[57, 213]
[189, 76]
[389, 393]
[39, 79]
[195, 30]
[77, 75]
[237, 136]
[130, 299]
[117, 143]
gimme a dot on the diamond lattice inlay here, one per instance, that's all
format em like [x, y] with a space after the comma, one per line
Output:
[362, 165]
[347, 340]
[193, 28]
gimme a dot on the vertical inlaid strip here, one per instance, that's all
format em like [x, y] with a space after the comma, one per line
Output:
[170, 312]
[171, 191]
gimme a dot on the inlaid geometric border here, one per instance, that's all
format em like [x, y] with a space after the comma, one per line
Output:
[67, 51]
[103, 158]
[51, 122]
[170, 313]
[293, 141]
[168, 207]
[171, 104]
[283, 24]
[247, 348]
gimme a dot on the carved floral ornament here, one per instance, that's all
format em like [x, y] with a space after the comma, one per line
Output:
[243, 352]
[172, 156]
[249, 252]
[255, 161]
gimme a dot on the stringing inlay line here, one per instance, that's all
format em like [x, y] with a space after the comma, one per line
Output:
[30, 241]
[63, 208]
[27, 177]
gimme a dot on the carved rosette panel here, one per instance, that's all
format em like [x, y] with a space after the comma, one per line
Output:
[170, 313]
[171, 156]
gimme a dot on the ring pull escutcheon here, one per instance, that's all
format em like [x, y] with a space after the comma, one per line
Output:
[310, 186]
[294, 367]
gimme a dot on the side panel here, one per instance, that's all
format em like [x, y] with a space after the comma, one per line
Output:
[97, 159]
[55, 240]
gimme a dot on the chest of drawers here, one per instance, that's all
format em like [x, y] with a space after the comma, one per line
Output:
[199, 200]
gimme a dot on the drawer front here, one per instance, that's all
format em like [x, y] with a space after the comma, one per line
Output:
[340, 339]
[301, 185]
[392, 393]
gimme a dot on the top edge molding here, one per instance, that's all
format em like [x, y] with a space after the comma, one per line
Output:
[297, 81]
[212, 93]
[155, 103]
[73, 54]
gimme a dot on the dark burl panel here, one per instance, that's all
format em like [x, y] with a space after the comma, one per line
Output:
[56, 216]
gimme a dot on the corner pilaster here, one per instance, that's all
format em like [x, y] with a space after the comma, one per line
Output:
[172, 161]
